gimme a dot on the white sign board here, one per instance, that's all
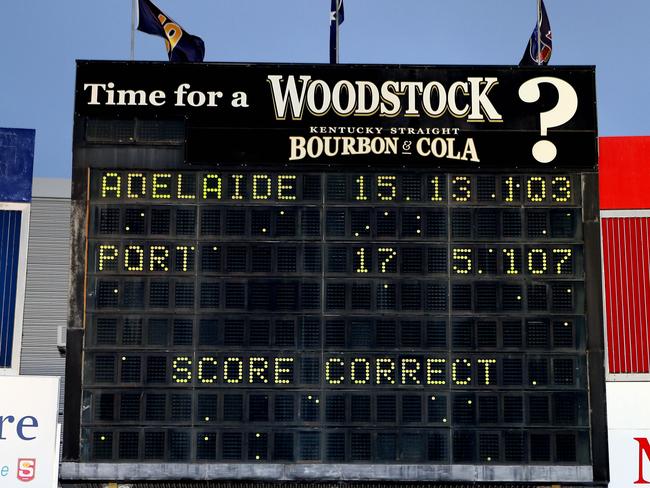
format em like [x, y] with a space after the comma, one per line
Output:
[28, 431]
[628, 421]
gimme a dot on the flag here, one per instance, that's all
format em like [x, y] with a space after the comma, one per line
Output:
[545, 44]
[181, 45]
[337, 16]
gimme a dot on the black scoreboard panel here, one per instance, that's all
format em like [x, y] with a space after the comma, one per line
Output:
[335, 316]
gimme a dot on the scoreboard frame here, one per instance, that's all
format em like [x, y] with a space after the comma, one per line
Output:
[280, 137]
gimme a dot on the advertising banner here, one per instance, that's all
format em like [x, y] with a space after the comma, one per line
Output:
[28, 431]
[458, 117]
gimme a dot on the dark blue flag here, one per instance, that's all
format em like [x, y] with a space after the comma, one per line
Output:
[545, 44]
[181, 45]
[337, 16]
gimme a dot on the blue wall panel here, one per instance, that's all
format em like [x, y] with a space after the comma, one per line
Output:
[16, 164]
[10, 222]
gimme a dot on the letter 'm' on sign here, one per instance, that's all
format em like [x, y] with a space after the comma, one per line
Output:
[644, 448]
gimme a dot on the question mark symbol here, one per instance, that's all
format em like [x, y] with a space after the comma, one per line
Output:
[567, 105]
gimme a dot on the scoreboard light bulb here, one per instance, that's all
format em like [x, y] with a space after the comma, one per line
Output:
[102, 438]
[309, 397]
[568, 290]
[264, 229]
[534, 382]
[431, 371]
[281, 212]
[317, 400]
[207, 419]
[211, 186]
[418, 217]
[418, 231]
[240, 370]
[433, 398]
[367, 227]
[105, 256]
[115, 187]
[205, 438]
[129, 186]
[257, 192]
[454, 371]
[123, 358]
[236, 195]
[469, 402]
[282, 187]
[179, 188]
[257, 434]
[257, 457]
[158, 187]
[356, 234]
[532, 196]
[566, 324]
[385, 214]
[328, 375]
[127, 228]
[142, 214]
[115, 290]
[444, 420]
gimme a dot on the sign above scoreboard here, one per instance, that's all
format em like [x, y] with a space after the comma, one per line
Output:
[446, 117]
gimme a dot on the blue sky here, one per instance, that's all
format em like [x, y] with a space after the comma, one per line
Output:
[43, 38]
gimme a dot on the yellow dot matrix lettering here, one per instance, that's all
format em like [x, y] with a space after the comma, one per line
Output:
[366, 371]
[461, 189]
[257, 366]
[410, 368]
[256, 187]
[185, 250]
[142, 190]
[361, 252]
[107, 252]
[436, 366]
[384, 182]
[134, 250]
[228, 375]
[509, 182]
[279, 370]
[199, 375]
[510, 255]
[381, 371]
[181, 369]
[566, 255]
[159, 259]
[486, 368]
[536, 194]
[158, 187]
[328, 371]
[236, 194]
[362, 189]
[179, 189]
[563, 188]
[531, 257]
[390, 254]
[462, 260]
[282, 186]
[435, 193]
[454, 371]
[114, 187]
[211, 186]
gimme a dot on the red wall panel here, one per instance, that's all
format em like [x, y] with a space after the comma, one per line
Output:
[626, 265]
[624, 171]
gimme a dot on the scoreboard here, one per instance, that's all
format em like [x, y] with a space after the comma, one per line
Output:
[296, 276]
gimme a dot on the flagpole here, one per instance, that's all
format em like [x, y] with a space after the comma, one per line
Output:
[133, 13]
[337, 29]
[539, 30]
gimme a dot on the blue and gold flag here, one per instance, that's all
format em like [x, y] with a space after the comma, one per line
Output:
[543, 44]
[337, 16]
[181, 45]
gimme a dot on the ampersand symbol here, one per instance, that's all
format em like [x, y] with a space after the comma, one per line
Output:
[406, 146]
